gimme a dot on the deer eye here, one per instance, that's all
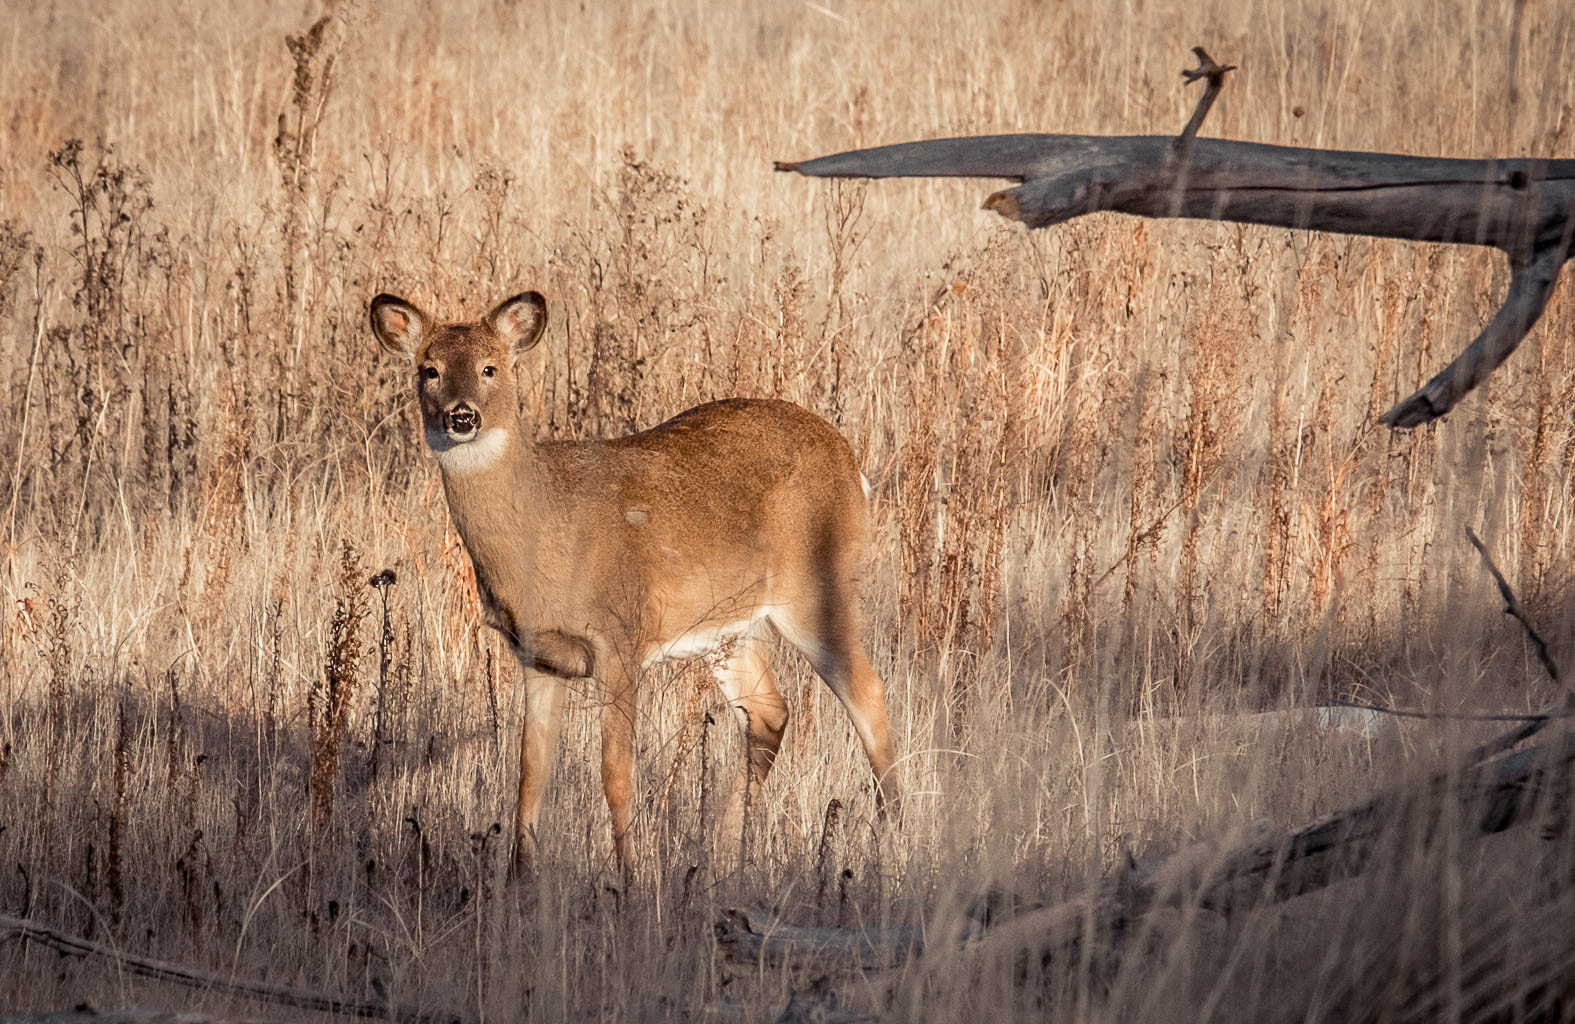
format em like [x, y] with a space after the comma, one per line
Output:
[429, 373]
[488, 371]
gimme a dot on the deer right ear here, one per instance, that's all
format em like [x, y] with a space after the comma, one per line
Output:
[398, 325]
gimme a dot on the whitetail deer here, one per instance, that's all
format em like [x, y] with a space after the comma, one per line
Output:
[598, 558]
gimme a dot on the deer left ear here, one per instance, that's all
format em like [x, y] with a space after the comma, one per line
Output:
[519, 321]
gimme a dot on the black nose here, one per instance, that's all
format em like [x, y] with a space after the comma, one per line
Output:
[462, 419]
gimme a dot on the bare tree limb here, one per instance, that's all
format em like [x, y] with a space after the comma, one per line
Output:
[1518, 205]
[1526, 207]
[1512, 607]
[1215, 73]
[1530, 286]
[161, 970]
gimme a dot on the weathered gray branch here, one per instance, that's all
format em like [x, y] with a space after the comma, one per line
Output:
[758, 935]
[1482, 799]
[1526, 207]
[162, 970]
[93, 1015]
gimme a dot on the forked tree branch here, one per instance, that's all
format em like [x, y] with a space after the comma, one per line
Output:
[1214, 72]
[1525, 207]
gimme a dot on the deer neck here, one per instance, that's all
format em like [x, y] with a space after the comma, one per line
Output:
[492, 492]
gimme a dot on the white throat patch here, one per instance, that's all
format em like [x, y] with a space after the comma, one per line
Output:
[472, 456]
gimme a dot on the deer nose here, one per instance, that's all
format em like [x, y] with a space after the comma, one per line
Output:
[462, 419]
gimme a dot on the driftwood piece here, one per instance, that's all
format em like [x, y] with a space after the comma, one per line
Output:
[1486, 799]
[90, 1015]
[1264, 868]
[191, 977]
[1525, 207]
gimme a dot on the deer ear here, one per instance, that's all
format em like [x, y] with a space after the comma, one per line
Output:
[519, 321]
[398, 325]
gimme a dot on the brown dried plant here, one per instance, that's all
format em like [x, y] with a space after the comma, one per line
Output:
[314, 54]
[331, 697]
[967, 388]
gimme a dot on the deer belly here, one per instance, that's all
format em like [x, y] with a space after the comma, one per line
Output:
[706, 639]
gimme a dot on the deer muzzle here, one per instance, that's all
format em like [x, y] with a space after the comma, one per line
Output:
[461, 422]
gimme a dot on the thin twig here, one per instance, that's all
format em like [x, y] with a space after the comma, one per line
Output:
[161, 970]
[1512, 607]
[1215, 73]
[1529, 725]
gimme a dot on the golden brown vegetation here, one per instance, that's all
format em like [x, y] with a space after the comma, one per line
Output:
[1122, 470]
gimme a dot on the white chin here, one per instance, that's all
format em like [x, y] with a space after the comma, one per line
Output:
[468, 453]
[441, 440]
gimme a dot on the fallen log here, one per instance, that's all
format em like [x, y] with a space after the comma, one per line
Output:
[191, 977]
[1202, 886]
[759, 935]
[87, 1014]
[1482, 799]
[1525, 206]
[1224, 879]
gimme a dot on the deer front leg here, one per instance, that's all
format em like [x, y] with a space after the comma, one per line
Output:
[618, 762]
[538, 736]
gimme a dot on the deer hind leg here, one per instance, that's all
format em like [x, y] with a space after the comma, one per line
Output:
[538, 737]
[826, 632]
[746, 681]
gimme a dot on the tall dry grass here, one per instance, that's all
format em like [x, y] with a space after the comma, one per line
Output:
[1125, 471]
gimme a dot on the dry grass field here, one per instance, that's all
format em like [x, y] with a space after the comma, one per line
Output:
[1128, 485]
